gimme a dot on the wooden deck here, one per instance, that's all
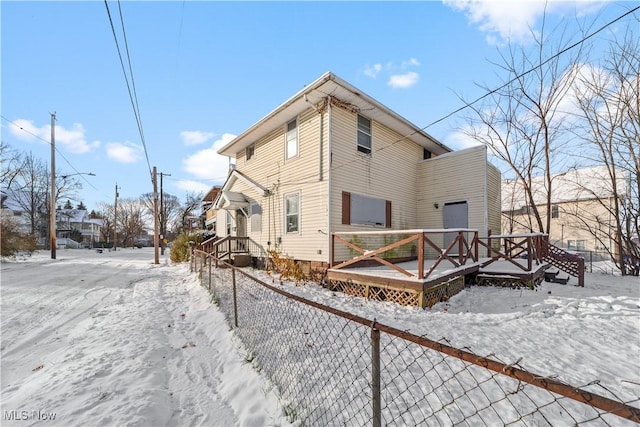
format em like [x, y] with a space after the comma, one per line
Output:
[514, 261]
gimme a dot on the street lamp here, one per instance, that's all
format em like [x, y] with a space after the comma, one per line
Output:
[79, 173]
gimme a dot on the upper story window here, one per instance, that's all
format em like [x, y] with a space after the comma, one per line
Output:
[364, 135]
[292, 212]
[555, 211]
[292, 139]
[250, 151]
[426, 154]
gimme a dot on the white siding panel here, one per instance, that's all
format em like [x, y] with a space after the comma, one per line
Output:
[453, 177]
[270, 168]
[389, 173]
[494, 199]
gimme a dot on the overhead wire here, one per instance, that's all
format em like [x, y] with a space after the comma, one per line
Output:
[469, 104]
[491, 92]
[132, 96]
[81, 174]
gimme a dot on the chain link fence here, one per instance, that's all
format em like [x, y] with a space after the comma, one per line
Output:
[333, 368]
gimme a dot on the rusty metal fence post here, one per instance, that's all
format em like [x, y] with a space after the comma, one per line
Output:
[209, 258]
[235, 299]
[375, 376]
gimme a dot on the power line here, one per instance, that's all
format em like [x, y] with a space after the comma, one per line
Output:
[469, 104]
[56, 149]
[132, 96]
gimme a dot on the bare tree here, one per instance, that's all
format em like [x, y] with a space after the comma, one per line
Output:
[188, 210]
[105, 211]
[169, 209]
[30, 189]
[522, 122]
[608, 96]
[132, 220]
[9, 165]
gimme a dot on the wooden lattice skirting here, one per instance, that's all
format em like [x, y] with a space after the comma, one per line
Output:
[402, 296]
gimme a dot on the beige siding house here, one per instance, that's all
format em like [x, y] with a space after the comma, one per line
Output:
[582, 209]
[331, 159]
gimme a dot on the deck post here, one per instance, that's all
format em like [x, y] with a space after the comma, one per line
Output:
[475, 246]
[529, 253]
[375, 376]
[209, 258]
[421, 255]
[332, 244]
[460, 247]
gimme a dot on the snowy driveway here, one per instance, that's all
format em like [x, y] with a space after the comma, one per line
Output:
[111, 338]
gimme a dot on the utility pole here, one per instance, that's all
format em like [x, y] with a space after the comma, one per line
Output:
[115, 220]
[52, 206]
[163, 216]
[155, 215]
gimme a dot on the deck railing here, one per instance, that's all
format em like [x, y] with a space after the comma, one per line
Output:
[226, 247]
[458, 246]
[516, 248]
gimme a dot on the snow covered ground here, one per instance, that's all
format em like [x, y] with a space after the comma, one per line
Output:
[113, 339]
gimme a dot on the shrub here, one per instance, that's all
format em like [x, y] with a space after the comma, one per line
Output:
[181, 246]
[14, 241]
[287, 267]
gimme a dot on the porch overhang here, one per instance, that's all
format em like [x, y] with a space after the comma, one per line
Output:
[231, 201]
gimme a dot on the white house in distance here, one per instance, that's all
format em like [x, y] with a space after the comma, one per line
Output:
[331, 158]
[68, 220]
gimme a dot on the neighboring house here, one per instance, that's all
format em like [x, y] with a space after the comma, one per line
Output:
[209, 213]
[68, 220]
[331, 159]
[582, 209]
[11, 209]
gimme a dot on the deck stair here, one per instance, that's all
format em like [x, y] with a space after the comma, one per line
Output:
[565, 261]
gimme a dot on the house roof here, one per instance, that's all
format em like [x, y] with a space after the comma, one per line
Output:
[312, 94]
[573, 185]
[230, 200]
[211, 194]
[71, 215]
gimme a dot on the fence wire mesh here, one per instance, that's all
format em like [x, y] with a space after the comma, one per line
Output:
[321, 361]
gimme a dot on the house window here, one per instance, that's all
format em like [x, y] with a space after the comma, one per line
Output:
[576, 245]
[228, 221]
[292, 139]
[250, 151]
[365, 210]
[426, 154]
[364, 135]
[255, 213]
[555, 211]
[292, 212]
